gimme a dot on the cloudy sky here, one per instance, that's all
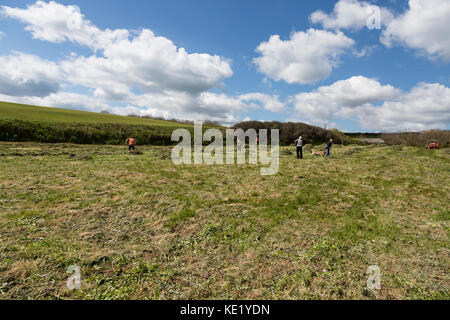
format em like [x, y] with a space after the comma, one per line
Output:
[354, 65]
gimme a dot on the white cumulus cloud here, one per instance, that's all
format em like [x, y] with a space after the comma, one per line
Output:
[305, 58]
[325, 102]
[57, 23]
[377, 106]
[146, 73]
[426, 106]
[149, 62]
[268, 102]
[350, 14]
[424, 27]
[28, 75]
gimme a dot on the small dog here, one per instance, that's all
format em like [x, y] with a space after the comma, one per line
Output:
[315, 154]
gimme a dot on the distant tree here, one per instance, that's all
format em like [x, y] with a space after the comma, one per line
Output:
[290, 131]
[211, 123]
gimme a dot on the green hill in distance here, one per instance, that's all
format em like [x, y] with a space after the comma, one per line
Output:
[14, 111]
[19, 123]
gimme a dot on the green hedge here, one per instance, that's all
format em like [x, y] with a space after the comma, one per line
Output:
[81, 133]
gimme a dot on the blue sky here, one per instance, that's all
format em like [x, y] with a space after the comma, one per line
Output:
[388, 79]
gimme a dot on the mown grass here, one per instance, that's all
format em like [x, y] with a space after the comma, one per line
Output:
[140, 227]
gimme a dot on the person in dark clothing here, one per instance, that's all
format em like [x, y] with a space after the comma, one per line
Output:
[299, 143]
[328, 148]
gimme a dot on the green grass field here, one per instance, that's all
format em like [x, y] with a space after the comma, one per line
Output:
[139, 227]
[12, 111]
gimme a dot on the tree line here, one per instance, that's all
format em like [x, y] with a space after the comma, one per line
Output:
[290, 131]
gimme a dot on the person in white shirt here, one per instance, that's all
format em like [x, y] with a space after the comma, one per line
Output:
[299, 143]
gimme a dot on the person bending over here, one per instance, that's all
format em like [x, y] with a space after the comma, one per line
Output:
[131, 142]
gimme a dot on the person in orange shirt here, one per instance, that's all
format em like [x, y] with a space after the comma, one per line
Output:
[131, 142]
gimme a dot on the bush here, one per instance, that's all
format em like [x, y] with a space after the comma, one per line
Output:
[289, 132]
[80, 133]
[418, 139]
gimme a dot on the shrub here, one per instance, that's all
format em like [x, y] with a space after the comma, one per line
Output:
[80, 133]
[289, 132]
[418, 139]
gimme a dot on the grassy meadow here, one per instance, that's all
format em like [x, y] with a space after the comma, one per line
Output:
[140, 227]
[21, 112]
